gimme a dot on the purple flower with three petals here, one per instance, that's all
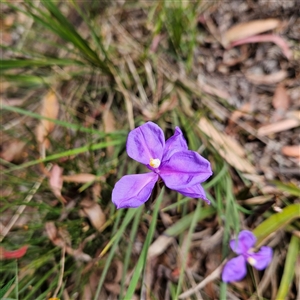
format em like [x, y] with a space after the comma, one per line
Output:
[236, 269]
[181, 169]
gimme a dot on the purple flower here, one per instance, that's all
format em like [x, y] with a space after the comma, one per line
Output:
[181, 170]
[235, 269]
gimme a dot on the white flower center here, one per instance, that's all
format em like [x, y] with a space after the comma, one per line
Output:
[154, 162]
[251, 261]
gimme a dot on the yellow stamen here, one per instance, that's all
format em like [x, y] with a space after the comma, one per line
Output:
[154, 162]
[251, 261]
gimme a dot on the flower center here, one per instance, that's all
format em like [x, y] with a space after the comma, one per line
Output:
[251, 261]
[154, 162]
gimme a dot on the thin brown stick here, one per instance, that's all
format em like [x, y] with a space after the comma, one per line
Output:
[62, 270]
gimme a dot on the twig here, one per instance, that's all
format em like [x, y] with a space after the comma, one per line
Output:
[62, 269]
[215, 274]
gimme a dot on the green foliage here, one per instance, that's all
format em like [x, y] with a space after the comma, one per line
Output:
[289, 268]
[5, 288]
[88, 64]
[276, 221]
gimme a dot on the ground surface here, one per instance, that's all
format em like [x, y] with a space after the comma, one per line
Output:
[77, 77]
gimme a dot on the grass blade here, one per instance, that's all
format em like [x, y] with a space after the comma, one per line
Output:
[5, 288]
[193, 224]
[143, 257]
[289, 268]
[114, 242]
[30, 63]
[67, 153]
[276, 222]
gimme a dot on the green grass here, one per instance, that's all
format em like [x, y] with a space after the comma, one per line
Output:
[94, 61]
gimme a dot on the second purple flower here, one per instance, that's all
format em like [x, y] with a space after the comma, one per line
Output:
[181, 169]
[235, 269]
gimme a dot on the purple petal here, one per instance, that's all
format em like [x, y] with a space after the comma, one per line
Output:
[245, 241]
[235, 269]
[174, 144]
[146, 142]
[133, 190]
[261, 259]
[195, 191]
[184, 169]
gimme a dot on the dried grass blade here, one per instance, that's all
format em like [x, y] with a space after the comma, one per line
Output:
[227, 147]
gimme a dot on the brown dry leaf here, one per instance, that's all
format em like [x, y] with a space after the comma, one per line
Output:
[56, 181]
[263, 38]
[159, 246]
[166, 219]
[281, 99]
[13, 151]
[247, 29]
[94, 212]
[227, 147]
[113, 287]
[293, 151]
[80, 178]
[52, 234]
[267, 79]
[109, 126]
[50, 109]
[278, 126]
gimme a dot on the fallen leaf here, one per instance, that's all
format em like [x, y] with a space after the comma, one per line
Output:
[50, 109]
[13, 151]
[113, 287]
[280, 101]
[276, 39]
[94, 212]
[293, 151]
[227, 147]
[278, 126]
[81, 178]
[267, 79]
[247, 29]
[6, 254]
[56, 181]
[159, 246]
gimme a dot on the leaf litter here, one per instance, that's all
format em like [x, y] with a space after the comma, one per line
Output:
[253, 85]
